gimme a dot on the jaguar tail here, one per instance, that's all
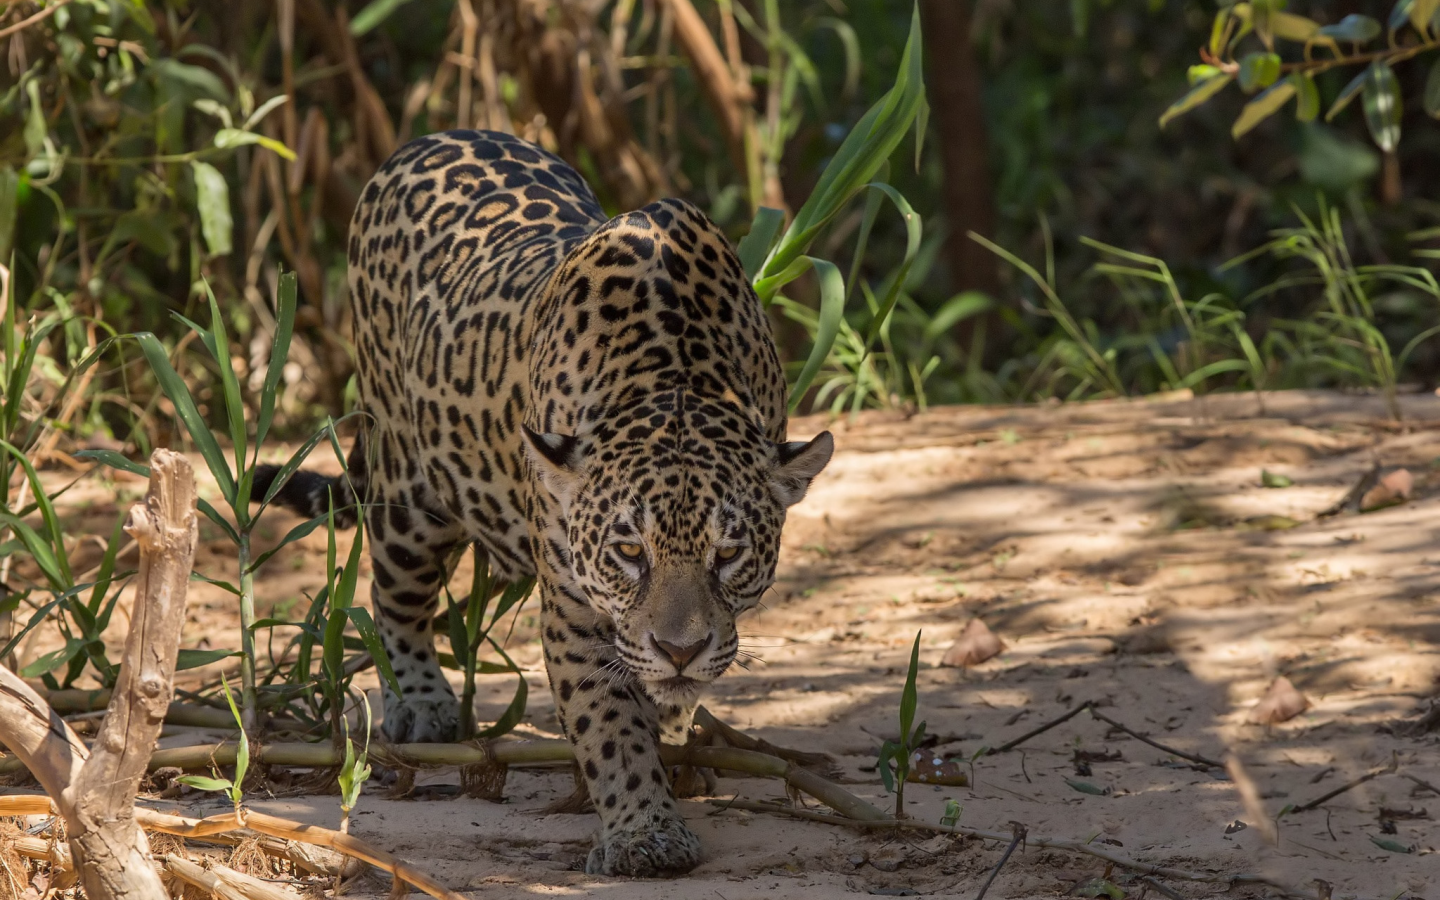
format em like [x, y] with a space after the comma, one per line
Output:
[310, 493]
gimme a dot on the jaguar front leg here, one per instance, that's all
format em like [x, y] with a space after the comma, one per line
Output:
[615, 730]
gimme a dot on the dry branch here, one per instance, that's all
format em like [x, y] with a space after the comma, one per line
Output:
[1349, 785]
[726, 97]
[96, 796]
[1082, 847]
[508, 753]
[1193, 757]
[223, 882]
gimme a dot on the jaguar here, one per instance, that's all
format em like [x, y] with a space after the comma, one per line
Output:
[596, 403]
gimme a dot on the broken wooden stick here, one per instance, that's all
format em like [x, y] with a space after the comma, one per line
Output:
[95, 791]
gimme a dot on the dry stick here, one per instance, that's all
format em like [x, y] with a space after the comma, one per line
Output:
[1193, 757]
[224, 882]
[274, 826]
[97, 795]
[1048, 843]
[507, 753]
[1425, 784]
[1018, 832]
[1161, 888]
[1373, 773]
[40, 16]
[1011, 745]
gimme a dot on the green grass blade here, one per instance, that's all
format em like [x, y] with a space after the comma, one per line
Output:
[832, 311]
[174, 387]
[279, 353]
[370, 637]
[54, 533]
[913, 235]
[757, 243]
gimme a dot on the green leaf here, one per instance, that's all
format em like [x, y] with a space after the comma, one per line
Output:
[908, 698]
[54, 659]
[212, 199]
[1425, 16]
[200, 782]
[860, 156]
[516, 710]
[757, 242]
[227, 138]
[1262, 107]
[35, 128]
[1274, 480]
[370, 637]
[1392, 846]
[888, 752]
[192, 81]
[1382, 106]
[54, 534]
[264, 110]
[219, 344]
[1086, 787]
[1259, 70]
[9, 210]
[174, 388]
[1307, 103]
[1354, 28]
[913, 236]
[194, 659]
[832, 311]
[1348, 93]
[1195, 96]
[116, 460]
[1400, 14]
[279, 353]
[1292, 27]
[1432, 91]
[373, 14]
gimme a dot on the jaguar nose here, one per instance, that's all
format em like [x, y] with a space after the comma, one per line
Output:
[680, 656]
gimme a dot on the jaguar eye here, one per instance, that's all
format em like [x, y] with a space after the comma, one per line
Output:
[630, 551]
[725, 554]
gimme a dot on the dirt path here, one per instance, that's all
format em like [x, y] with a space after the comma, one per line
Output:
[1123, 551]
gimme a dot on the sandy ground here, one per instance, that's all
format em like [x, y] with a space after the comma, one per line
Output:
[1126, 554]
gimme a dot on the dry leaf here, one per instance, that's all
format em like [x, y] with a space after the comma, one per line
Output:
[975, 644]
[928, 768]
[1281, 703]
[1395, 487]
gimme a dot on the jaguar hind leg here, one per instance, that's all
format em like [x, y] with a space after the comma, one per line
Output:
[411, 547]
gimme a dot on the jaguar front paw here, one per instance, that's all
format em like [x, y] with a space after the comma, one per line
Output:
[421, 719]
[663, 847]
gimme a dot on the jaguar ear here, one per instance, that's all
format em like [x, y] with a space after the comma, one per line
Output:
[559, 461]
[800, 461]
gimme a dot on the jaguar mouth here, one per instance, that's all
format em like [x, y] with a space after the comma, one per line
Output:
[676, 689]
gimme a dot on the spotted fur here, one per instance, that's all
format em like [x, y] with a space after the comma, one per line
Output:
[595, 403]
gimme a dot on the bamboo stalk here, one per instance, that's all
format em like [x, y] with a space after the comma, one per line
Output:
[508, 753]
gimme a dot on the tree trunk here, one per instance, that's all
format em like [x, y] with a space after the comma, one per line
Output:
[953, 81]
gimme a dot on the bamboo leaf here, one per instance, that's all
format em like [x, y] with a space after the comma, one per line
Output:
[194, 659]
[175, 389]
[832, 310]
[279, 353]
[370, 637]
[754, 246]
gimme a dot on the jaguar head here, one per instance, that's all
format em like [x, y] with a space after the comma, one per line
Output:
[673, 510]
